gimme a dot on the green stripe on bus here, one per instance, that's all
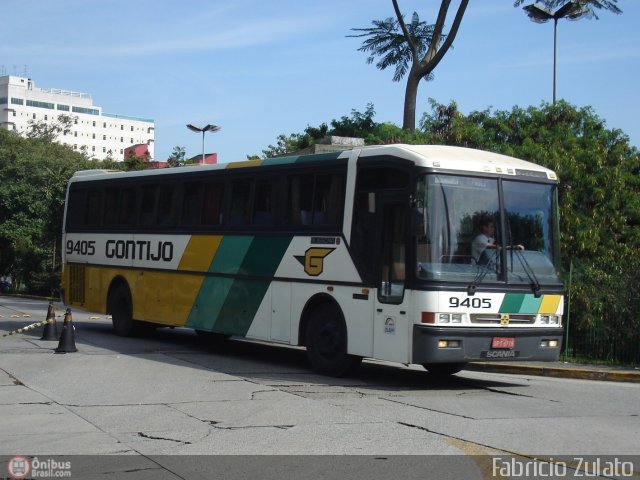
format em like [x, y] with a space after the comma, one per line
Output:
[531, 304]
[520, 303]
[511, 303]
[214, 290]
[228, 305]
[246, 295]
[231, 253]
[280, 161]
[319, 157]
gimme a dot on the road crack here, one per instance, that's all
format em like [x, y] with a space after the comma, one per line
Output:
[151, 437]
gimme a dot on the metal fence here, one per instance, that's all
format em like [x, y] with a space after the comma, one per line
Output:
[602, 344]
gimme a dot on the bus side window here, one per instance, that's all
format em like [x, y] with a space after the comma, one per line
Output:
[94, 208]
[111, 206]
[315, 200]
[329, 199]
[166, 212]
[192, 203]
[264, 202]
[240, 211]
[212, 203]
[300, 200]
[148, 205]
[126, 207]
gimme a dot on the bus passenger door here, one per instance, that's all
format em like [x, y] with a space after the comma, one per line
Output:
[392, 332]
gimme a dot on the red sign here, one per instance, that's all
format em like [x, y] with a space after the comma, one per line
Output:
[503, 342]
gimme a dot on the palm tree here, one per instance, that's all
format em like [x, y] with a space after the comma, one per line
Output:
[416, 48]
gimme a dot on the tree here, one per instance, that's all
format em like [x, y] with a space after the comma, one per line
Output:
[32, 205]
[418, 44]
[49, 132]
[176, 159]
[135, 162]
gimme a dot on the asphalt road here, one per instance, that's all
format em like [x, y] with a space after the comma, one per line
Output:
[156, 402]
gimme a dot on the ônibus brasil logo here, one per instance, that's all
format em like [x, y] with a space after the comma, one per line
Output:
[19, 467]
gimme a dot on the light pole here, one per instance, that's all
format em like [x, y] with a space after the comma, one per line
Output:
[207, 128]
[572, 10]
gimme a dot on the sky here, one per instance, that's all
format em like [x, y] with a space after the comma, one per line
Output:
[262, 68]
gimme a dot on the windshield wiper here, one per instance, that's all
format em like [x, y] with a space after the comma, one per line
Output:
[535, 284]
[482, 272]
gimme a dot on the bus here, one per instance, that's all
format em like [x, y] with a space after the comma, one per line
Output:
[370, 252]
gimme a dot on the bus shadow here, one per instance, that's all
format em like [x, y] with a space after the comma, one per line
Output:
[264, 363]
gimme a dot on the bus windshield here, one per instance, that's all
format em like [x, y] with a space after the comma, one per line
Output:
[465, 233]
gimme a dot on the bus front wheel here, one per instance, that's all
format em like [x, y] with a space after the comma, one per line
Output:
[327, 342]
[443, 369]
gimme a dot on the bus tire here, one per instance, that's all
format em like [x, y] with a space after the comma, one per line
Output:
[121, 310]
[444, 369]
[327, 342]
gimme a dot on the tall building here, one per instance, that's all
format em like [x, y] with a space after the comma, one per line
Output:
[99, 134]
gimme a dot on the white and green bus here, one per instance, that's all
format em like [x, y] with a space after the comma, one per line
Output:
[375, 252]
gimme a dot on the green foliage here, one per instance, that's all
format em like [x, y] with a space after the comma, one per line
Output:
[176, 159]
[295, 141]
[358, 124]
[34, 173]
[49, 132]
[135, 162]
[387, 41]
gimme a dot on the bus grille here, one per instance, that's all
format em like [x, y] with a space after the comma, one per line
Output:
[490, 319]
[76, 283]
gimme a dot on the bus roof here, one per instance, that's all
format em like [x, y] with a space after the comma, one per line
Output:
[433, 157]
[449, 158]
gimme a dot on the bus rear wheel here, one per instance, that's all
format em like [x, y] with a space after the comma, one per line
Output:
[327, 342]
[444, 369]
[121, 309]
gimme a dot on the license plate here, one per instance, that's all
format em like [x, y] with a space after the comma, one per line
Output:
[503, 342]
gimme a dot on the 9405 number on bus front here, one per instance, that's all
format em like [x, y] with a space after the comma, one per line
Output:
[469, 302]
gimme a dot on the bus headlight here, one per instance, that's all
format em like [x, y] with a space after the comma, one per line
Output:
[444, 318]
[544, 319]
[456, 318]
[554, 319]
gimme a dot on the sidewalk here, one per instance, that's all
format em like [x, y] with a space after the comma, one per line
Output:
[561, 370]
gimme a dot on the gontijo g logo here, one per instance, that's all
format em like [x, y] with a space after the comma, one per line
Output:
[313, 260]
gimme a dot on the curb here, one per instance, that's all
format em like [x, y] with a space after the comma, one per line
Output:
[558, 372]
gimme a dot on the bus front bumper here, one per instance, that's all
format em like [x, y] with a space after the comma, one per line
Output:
[454, 345]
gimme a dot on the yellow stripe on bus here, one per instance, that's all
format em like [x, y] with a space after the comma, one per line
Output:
[550, 304]
[199, 253]
[244, 163]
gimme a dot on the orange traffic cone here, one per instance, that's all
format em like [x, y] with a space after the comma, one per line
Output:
[67, 342]
[51, 328]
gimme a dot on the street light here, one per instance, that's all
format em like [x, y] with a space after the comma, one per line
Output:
[573, 10]
[207, 128]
